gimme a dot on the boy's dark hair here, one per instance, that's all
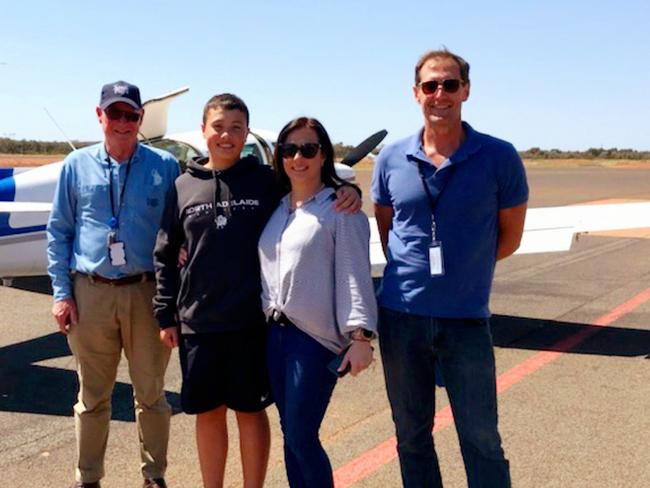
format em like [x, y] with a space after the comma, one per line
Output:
[226, 101]
[328, 173]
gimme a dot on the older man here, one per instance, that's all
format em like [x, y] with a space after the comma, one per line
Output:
[101, 233]
[449, 203]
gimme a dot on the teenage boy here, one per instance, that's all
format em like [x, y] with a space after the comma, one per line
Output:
[211, 308]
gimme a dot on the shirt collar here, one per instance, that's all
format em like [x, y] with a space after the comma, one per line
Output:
[471, 144]
[102, 154]
[325, 193]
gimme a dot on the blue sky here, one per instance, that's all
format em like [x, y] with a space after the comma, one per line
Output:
[553, 74]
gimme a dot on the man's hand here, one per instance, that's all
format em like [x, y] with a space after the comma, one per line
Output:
[65, 314]
[511, 228]
[347, 200]
[169, 337]
[359, 356]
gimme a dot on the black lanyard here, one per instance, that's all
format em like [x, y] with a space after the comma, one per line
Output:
[444, 180]
[115, 219]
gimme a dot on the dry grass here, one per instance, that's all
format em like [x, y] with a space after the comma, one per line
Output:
[584, 163]
[366, 164]
[28, 160]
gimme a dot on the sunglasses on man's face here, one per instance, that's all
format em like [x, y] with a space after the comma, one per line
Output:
[450, 86]
[114, 113]
[308, 149]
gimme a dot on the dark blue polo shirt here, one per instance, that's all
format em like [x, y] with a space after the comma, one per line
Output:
[483, 176]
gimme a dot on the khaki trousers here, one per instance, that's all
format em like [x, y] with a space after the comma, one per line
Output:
[112, 319]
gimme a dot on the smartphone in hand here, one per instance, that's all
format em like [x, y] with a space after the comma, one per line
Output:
[335, 364]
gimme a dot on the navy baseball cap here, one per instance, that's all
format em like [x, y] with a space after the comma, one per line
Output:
[120, 91]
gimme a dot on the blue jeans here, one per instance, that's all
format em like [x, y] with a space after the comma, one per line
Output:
[302, 386]
[462, 348]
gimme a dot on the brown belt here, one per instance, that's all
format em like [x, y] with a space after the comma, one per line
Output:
[126, 280]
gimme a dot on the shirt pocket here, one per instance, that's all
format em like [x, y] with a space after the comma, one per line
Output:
[94, 198]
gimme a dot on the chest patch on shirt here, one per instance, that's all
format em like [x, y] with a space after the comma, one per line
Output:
[156, 178]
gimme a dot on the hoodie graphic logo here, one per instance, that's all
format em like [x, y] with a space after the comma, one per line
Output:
[221, 221]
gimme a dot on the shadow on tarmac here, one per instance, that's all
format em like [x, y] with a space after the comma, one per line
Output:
[27, 387]
[545, 335]
[37, 284]
[30, 388]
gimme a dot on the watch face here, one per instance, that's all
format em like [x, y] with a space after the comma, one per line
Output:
[368, 334]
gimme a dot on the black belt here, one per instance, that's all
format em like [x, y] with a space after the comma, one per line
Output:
[125, 280]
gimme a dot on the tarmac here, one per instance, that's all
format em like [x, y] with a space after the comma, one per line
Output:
[572, 343]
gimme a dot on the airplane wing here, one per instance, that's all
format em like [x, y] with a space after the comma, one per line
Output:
[8, 172]
[552, 229]
[25, 207]
[154, 123]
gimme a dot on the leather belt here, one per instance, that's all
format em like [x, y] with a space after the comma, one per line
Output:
[125, 280]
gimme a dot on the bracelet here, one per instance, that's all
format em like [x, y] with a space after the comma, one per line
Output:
[361, 334]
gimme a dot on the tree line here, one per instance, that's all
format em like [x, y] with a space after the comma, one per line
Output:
[591, 153]
[23, 146]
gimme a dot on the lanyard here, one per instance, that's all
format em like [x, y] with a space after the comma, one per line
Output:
[114, 222]
[430, 198]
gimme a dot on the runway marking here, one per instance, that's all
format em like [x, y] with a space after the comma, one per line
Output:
[380, 455]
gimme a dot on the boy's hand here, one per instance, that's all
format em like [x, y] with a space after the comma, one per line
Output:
[347, 200]
[169, 337]
[182, 257]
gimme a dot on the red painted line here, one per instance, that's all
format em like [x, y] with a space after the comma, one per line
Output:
[372, 460]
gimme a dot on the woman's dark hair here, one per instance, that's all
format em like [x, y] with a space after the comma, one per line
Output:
[327, 174]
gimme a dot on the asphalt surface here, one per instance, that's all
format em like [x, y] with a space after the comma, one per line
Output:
[572, 336]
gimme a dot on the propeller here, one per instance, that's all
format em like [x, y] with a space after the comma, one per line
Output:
[362, 150]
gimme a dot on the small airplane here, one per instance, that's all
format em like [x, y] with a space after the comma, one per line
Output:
[26, 196]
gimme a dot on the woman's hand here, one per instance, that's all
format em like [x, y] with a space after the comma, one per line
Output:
[359, 356]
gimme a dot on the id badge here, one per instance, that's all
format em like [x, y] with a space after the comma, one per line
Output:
[436, 267]
[116, 253]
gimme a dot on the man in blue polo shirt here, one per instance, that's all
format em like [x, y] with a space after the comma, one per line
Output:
[449, 203]
[106, 213]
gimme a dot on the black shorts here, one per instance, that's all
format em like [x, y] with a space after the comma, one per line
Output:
[225, 368]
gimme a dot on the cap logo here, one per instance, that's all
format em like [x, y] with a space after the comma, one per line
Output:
[120, 89]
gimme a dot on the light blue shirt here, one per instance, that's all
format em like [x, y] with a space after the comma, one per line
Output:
[79, 224]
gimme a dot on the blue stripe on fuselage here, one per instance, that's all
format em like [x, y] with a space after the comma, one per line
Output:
[6, 172]
[8, 194]
[6, 230]
[7, 189]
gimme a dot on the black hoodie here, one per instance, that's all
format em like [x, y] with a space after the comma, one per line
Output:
[218, 216]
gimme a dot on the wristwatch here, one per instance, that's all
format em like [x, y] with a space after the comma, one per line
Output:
[361, 334]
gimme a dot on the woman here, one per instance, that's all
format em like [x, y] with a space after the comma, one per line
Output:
[317, 294]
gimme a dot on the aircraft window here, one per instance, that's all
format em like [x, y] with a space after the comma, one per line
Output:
[181, 151]
[252, 148]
